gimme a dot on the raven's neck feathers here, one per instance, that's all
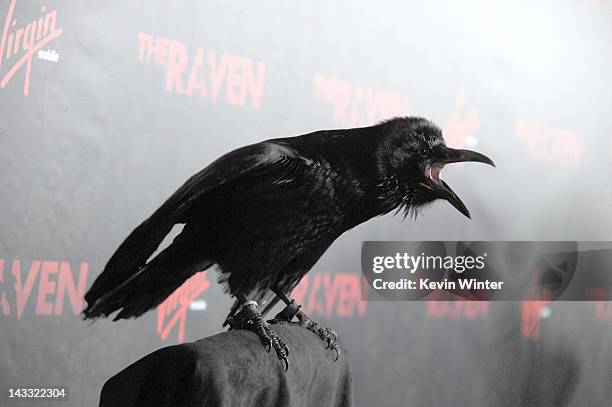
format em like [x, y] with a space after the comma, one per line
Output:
[359, 150]
[360, 154]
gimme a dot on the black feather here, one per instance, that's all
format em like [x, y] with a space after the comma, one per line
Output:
[265, 214]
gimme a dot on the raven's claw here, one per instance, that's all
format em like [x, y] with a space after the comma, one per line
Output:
[268, 345]
[249, 318]
[335, 348]
[328, 336]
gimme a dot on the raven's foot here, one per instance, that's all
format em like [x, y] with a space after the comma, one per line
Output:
[293, 310]
[249, 318]
[328, 336]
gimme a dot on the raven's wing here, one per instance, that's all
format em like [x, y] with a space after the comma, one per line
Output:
[269, 159]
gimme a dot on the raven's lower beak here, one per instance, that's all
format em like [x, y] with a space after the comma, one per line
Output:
[441, 188]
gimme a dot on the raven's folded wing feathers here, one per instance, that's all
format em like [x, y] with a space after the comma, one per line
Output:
[250, 162]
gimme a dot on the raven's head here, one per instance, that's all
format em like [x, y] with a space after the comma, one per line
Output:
[413, 153]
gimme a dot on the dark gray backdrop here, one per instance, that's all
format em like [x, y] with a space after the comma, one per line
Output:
[105, 134]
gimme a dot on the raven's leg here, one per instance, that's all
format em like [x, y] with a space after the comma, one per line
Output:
[293, 310]
[249, 318]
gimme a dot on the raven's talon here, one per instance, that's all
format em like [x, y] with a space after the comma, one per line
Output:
[284, 346]
[249, 318]
[333, 337]
[328, 336]
[280, 347]
[335, 348]
[263, 333]
[327, 342]
[265, 339]
[268, 345]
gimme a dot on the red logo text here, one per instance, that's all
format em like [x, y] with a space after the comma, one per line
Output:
[46, 284]
[548, 144]
[359, 105]
[21, 41]
[234, 79]
[173, 311]
[328, 295]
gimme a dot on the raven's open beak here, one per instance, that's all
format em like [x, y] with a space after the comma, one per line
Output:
[440, 188]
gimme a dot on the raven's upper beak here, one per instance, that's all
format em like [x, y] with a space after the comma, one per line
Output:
[446, 156]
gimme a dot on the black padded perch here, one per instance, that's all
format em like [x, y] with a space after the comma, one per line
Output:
[233, 369]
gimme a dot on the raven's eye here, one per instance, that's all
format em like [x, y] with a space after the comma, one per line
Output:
[423, 152]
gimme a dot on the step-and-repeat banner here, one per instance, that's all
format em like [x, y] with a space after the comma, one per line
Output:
[106, 108]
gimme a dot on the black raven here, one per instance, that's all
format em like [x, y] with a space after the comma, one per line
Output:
[265, 214]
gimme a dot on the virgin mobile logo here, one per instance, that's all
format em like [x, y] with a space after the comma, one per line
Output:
[173, 311]
[21, 41]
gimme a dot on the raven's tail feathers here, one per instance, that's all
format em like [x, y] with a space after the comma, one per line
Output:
[133, 253]
[149, 286]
